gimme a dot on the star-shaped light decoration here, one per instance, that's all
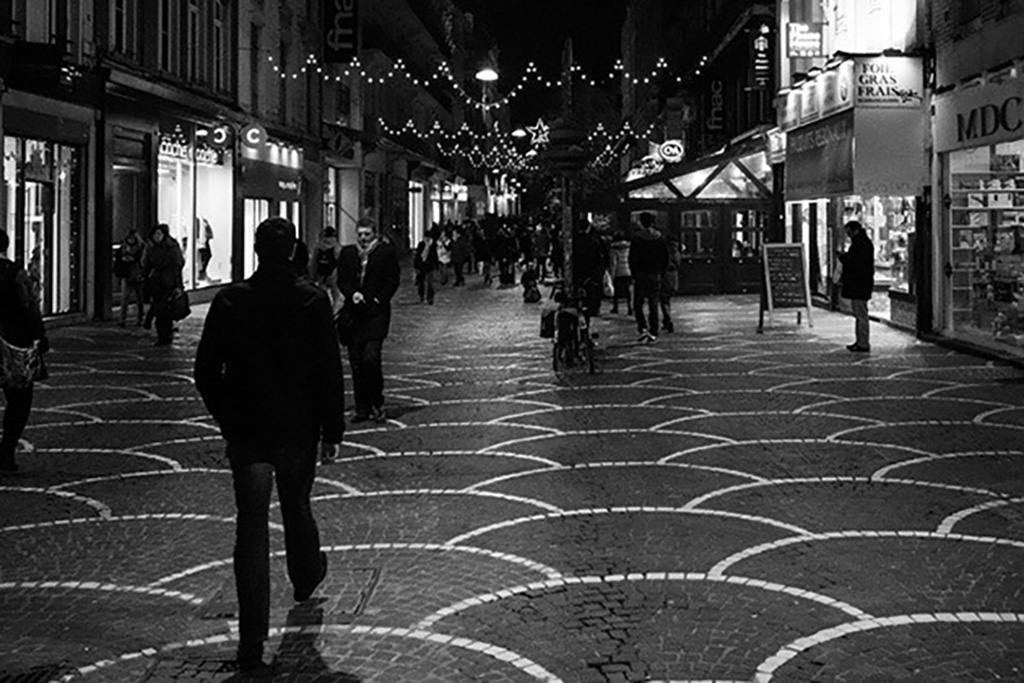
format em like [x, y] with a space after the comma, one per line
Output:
[539, 133]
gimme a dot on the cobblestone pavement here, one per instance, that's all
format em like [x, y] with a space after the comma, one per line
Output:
[719, 506]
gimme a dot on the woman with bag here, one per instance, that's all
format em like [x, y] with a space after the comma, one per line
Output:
[128, 267]
[162, 263]
[21, 326]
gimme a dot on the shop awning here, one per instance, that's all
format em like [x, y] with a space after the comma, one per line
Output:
[741, 171]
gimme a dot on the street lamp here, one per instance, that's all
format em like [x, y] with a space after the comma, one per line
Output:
[487, 74]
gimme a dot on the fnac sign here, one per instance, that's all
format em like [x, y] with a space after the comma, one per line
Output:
[341, 31]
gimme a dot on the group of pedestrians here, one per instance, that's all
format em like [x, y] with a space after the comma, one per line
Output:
[150, 272]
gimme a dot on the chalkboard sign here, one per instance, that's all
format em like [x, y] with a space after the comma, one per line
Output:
[786, 284]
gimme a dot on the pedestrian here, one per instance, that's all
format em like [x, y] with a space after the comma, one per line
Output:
[325, 264]
[21, 325]
[529, 279]
[129, 269]
[462, 251]
[542, 249]
[444, 253]
[162, 262]
[619, 267]
[669, 286]
[857, 282]
[589, 262]
[425, 264]
[268, 368]
[482, 252]
[368, 274]
[648, 259]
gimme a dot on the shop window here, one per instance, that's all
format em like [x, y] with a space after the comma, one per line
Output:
[697, 237]
[986, 242]
[123, 27]
[43, 198]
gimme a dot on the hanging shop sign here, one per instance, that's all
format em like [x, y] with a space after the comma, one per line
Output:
[980, 115]
[341, 31]
[804, 40]
[761, 59]
[253, 136]
[892, 82]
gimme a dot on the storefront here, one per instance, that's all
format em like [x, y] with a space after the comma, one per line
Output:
[195, 181]
[45, 202]
[979, 140]
[271, 186]
[714, 210]
[855, 140]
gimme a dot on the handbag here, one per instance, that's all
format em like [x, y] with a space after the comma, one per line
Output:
[608, 283]
[837, 273]
[178, 305]
[19, 367]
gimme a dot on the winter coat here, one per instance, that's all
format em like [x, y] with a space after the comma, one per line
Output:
[162, 262]
[648, 255]
[858, 279]
[20, 320]
[370, 320]
[619, 266]
[268, 364]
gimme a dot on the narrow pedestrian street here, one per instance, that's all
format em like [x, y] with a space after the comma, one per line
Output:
[721, 505]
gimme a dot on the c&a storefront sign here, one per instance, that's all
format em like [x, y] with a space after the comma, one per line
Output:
[979, 115]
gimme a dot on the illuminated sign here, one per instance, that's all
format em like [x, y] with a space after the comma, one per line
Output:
[804, 40]
[716, 108]
[889, 82]
[254, 135]
[671, 151]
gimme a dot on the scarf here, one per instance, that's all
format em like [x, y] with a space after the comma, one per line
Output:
[364, 256]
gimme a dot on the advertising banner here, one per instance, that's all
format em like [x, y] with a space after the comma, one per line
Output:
[819, 159]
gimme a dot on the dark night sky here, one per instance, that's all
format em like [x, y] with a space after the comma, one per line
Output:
[535, 31]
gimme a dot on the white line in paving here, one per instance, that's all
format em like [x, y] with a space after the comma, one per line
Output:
[643, 509]
[875, 400]
[883, 471]
[767, 670]
[946, 525]
[418, 454]
[926, 423]
[102, 509]
[782, 442]
[720, 568]
[502, 655]
[611, 464]
[443, 492]
[700, 500]
[98, 586]
[431, 621]
[170, 462]
[133, 475]
[162, 516]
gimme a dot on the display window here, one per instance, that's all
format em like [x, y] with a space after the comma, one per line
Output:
[194, 192]
[986, 242]
[44, 196]
[890, 223]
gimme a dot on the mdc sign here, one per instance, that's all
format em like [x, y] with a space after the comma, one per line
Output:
[341, 31]
[981, 115]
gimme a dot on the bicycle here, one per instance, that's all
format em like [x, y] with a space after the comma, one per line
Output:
[572, 344]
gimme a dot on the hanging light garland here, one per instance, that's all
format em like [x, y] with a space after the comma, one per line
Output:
[443, 73]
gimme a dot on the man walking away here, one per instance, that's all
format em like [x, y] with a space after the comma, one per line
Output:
[858, 282]
[368, 276]
[269, 370]
[648, 260]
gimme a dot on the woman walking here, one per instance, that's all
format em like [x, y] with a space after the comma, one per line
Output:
[21, 325]
[131, 274]
[162, 264]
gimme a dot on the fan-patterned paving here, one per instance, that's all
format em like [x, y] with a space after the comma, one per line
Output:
[721, 506]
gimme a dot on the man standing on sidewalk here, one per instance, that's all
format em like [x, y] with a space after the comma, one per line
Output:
[858, 282]
[268, 368]
[648, 260]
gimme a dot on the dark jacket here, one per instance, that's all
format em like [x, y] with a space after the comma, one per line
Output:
[162, 262]
[371, 319]
[426, 256]
[268, 364]
[858, 280]
[648, 255]
[20, 320]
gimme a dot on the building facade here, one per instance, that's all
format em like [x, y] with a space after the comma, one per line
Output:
[208, 116]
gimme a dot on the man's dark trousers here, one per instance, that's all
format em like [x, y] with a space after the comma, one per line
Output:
[254, 470]
[367, 374]
[646, 290]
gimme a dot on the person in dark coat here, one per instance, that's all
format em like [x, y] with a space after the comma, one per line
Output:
[268, 368]
[648, 260]
[858, 282]
[425, 264]
[21, 325]
[162, 262]
[368, 276]
[589, 261]
[133, 279]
